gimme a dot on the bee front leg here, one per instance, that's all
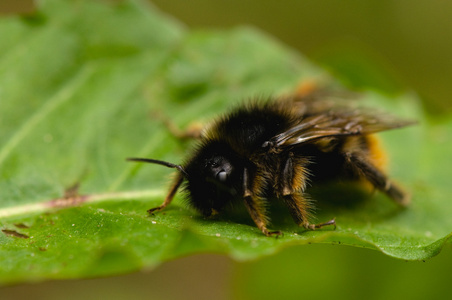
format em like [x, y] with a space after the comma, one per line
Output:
[255, 206]
[176, 184]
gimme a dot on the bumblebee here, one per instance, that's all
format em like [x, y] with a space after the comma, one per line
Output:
[266, 150]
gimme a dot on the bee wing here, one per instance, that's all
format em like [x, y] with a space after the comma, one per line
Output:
[340, 121]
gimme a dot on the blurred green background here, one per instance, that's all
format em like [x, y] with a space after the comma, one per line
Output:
[390, 46]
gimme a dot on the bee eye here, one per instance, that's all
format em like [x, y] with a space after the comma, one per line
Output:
[211, 164]
[222, 176]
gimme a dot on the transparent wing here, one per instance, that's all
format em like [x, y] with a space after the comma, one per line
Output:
[332, 118]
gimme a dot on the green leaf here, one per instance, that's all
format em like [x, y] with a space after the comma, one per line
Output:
[80, 85]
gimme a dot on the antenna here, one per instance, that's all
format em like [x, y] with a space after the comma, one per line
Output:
[158, 162]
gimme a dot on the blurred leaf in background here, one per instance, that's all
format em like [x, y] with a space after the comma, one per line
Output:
[408, 40]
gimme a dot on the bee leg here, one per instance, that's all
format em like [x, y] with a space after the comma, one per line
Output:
[299, 208]
[194, 130]
[176, 184]
[379, 180]
[255, 207]
[293, 183]
[320, 225]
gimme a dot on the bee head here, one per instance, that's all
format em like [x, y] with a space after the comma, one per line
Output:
[213, 178]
